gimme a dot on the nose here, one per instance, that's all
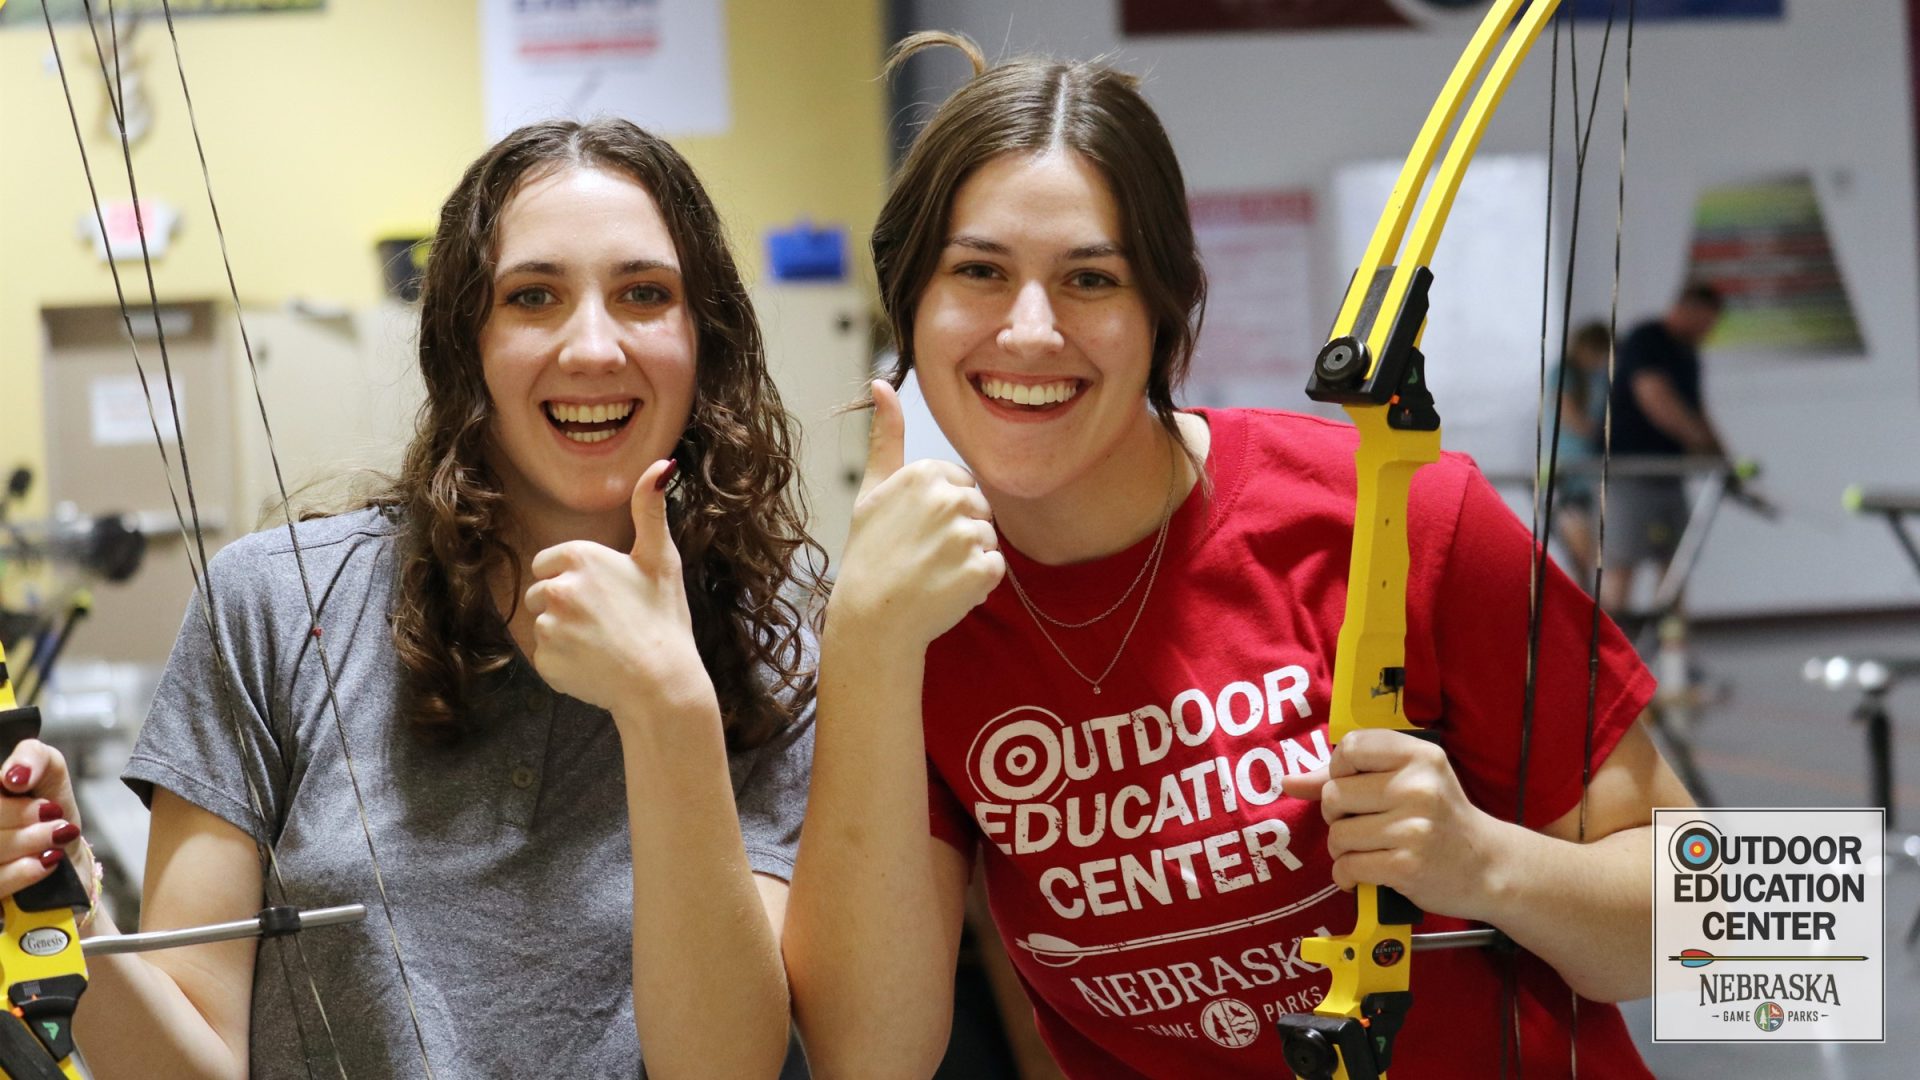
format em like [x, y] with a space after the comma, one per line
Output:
[591, 340]
[1031, 329]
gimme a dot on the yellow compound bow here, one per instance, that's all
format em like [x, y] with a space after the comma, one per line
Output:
[1372, 366]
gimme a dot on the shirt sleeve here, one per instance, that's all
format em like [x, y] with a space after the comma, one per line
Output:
[209, 736]
[772, 799]
[946, 818]
[1480, 629]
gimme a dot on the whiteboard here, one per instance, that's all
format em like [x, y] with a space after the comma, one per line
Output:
[1483, 326]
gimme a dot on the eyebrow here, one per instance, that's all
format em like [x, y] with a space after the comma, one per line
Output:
[554, 269]
[1101, 250]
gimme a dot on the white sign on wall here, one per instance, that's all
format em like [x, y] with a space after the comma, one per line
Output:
[1261, 332]
[659, 63]
[117, 411]
[1482, 340]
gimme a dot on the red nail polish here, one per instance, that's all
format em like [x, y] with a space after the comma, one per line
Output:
[666, 474]
[49, 859]
[66, 834]
[17, 776]
[50, 811]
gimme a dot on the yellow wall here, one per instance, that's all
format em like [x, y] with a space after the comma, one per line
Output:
[324, 130]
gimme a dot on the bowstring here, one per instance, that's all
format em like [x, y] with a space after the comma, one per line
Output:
[299, 556]
[1606, 437]
[114, 93]
[202, 577]
[1510, 976]
[1543, 500]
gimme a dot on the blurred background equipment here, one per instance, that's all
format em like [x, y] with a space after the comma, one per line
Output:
[1874, 677]
[108, 547]
[1895, 506]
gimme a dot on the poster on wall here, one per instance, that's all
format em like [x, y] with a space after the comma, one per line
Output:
[1482, 340]
[1141, 17]
[1260, 334]
[1764, 245]
[659, 63]
[67, 11]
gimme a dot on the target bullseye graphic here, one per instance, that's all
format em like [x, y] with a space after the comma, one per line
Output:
[1018, 757]
[1696, 848]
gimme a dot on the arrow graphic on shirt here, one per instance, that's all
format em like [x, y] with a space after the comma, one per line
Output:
[1699, 958]
[1059, 952]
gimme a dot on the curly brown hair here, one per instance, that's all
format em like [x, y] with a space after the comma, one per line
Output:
[1031, 106]
[736, 515]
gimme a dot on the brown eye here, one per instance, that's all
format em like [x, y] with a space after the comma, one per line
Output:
[533, 296]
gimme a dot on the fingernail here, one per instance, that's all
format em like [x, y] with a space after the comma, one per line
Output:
[50, 811]
[49, 859]
[666, 474]
[17, 776]
[66, 834]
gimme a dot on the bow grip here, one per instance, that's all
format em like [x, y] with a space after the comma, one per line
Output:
[41, 965]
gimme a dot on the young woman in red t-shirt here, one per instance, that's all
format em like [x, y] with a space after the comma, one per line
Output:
[1116, 627]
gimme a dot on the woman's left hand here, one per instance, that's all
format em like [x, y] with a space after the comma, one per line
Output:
[612, 628]
[1397, 816]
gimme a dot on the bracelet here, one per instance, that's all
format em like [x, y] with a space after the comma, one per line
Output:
[93, 887]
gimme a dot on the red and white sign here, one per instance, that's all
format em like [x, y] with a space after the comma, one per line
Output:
[659, 63]
[121, 241]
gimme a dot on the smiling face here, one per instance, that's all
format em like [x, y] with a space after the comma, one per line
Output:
[588, 351]
[1032, 339]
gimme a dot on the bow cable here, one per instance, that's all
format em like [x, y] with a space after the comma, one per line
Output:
[195, 533]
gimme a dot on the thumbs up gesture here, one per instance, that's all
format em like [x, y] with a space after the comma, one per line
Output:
[612, 628]
[922, 551]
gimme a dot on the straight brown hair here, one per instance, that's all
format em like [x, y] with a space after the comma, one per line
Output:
[1033, 106]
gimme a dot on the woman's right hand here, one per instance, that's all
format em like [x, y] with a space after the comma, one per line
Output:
[39, 820]
[922, 550]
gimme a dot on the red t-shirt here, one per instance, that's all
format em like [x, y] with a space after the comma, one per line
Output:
[1150, 882]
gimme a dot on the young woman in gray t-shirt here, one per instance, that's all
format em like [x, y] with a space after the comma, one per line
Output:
[544, 704]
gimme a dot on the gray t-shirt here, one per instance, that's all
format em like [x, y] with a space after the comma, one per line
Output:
[506, 860]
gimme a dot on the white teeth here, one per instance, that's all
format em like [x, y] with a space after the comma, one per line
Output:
[588, 436]
[589, 414]
[1027, 394]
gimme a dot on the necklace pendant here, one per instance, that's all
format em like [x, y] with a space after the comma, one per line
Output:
[1096, 688]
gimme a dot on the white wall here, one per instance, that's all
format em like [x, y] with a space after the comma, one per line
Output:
[1825, 91]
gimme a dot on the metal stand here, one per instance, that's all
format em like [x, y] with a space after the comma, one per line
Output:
[1874, 679]
[1895, 506]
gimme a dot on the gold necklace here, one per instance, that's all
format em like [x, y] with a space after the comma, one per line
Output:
[1149, 570]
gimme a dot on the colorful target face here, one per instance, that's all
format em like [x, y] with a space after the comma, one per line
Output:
[1696, 848]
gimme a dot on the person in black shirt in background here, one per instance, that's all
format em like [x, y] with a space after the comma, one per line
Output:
[1657, 411]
